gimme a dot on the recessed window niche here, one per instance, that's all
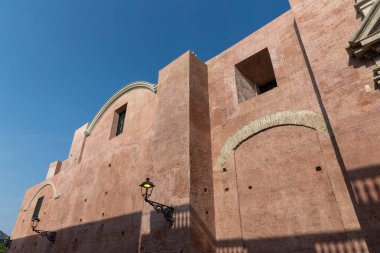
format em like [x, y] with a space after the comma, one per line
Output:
[118, 121]
[254, 76]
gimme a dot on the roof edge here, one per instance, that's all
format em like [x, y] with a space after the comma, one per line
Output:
[134, 85]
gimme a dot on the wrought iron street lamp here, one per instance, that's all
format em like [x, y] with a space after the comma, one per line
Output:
[46, 234]
[167, 211]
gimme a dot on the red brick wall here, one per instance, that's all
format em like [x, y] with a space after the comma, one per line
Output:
[288, 196]
[353, 112]
[175, 138]
[295, 91]
[100, 201]
[201, 186]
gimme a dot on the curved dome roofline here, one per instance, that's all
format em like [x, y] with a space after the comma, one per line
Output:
[122, 91]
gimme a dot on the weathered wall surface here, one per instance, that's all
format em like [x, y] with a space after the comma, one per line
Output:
[166, 137]
[242, 174]
[281, 193]
[201, 186]
[295, 93]
[100, 201]
[353, 111]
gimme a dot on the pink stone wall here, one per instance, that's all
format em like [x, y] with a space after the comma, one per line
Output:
[352, 111]
[296, 90]
[268, 196]
[99, 195]
[281, 194]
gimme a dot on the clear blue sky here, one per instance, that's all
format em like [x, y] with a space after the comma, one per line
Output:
[61, 60]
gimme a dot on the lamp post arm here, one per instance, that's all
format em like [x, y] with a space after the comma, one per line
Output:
[156, 204]
[167, 211]
[46, 234]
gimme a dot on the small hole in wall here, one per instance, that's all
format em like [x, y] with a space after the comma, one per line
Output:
[205, 189]
[76, 240]
[226, 189]
[109, 165]
[206, 212]
[85, 200]
[250, 187]
[103, 214]
[224, 170]
[102, 225]
[122, 233]
[318, 168]
[106, 193]
[80, 220]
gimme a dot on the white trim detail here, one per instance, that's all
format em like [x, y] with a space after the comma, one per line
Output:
[298, 118]
[56, 194]
[128, 87]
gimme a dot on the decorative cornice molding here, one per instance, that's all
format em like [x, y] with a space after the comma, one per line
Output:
[127, 88]
[366, 40]
[55, 192]
[298, 118]
[362, 5]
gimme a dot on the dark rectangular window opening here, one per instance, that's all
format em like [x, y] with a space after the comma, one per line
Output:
[254, 76]
[120, 122]
[37, 208]
[268, 86]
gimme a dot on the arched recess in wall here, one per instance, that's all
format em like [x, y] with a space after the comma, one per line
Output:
[127, 88]
[298, 118]
[55, 192]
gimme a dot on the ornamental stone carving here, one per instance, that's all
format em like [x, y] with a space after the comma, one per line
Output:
[365, 44]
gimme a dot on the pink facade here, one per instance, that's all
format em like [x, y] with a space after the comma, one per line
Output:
[271, 146]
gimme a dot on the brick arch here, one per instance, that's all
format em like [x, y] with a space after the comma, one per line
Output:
[55, 194]
[298, 118]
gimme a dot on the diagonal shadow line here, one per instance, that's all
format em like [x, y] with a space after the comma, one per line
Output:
[122, 234]
[330, 130]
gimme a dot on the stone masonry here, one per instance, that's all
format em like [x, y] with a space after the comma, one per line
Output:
[270, 146]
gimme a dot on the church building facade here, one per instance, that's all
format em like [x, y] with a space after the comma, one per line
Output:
[270, 146]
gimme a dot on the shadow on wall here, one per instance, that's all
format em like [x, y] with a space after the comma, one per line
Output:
[108, 235]
[119, 234]
[362, 183]
[122, 234]
[366, 184]
[162, 237]
[311, 243]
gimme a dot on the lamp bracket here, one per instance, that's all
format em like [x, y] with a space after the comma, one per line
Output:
[167, 211]
[46, 234]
